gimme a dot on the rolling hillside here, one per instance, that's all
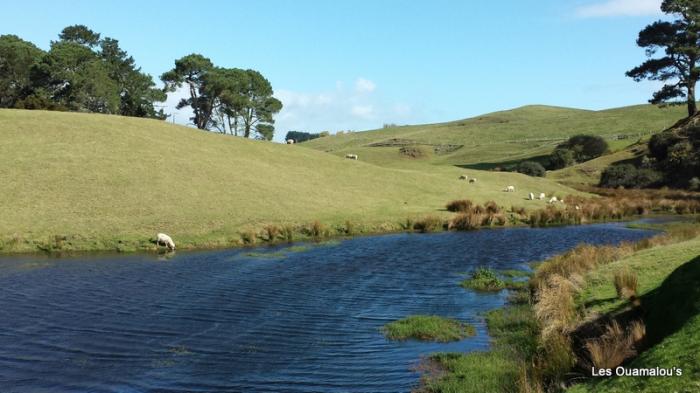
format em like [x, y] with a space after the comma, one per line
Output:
[493, 139]
[105, 182]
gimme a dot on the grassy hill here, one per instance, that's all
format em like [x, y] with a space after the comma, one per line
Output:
[91, 181]
[500, 137]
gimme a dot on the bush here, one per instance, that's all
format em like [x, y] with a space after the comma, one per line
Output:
[586, 147]
[561, 158]
[531, 168]
[461, 205]
[415, 151]
[628, 176]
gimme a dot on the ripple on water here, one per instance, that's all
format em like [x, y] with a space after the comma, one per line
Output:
[281, 319]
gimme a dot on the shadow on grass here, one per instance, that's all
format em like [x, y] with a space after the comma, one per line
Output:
[485, 166]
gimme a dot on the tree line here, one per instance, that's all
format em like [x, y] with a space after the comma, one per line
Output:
[84, 72]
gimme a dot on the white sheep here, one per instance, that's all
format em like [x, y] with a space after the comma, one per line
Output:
[464, 177]
[542, 196]
[531, 196]
[553, 200]
[472, 180]
[164, 240]
[509, 189]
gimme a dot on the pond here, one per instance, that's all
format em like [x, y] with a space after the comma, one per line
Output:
[301, 318]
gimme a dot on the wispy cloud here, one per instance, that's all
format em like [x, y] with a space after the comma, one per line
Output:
[612, 8]
[363, 85]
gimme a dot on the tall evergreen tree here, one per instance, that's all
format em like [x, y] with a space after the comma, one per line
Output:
[678, 68]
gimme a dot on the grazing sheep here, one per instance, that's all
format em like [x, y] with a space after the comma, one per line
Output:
[351, 156]
[164, 240]
[542, 196]
[472, 180]
[464, 177]
[531, 197]
[290, 141]
[578, 207]
[553, 200]
[509, 189]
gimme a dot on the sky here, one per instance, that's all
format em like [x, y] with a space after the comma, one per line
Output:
[356, 65]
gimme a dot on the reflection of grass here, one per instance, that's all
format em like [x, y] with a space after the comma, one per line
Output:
[428, 328]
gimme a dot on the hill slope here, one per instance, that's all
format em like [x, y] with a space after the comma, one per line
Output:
[99, 179]
[489, 140]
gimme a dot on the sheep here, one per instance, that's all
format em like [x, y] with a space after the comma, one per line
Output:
[542, 196]
[290, 141]
[464, 177]
[164, 240]
[553, 200]
[531, 197]
[509, 189]
[472, 180]
[351, 156]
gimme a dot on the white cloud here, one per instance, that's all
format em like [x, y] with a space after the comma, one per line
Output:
[611, 8]
[363, 85]
[362, 111]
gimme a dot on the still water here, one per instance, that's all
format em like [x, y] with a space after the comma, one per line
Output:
[303, 318]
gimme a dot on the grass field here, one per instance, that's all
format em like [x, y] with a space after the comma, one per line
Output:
[97, 182]
[428, 328]
[502, 137]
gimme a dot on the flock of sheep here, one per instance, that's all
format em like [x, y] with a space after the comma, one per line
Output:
[531, 196]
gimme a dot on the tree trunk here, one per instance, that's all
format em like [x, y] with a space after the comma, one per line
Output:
[692, 105]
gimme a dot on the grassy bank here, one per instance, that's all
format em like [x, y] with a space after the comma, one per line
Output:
[634, 304]
[73, 181]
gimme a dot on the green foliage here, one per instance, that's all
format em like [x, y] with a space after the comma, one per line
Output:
[81, 72]
[230, 100]
[300, 136]
[561, 158]
[678, 41]
[17, 57]
[629, 176]
[428, 328]
[585, 147]
[484, 279]
[531, 168]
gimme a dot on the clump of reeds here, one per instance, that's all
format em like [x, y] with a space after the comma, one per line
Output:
[272, 232]
[626, 282]
[614, 347]
[428, 224]
[460, 206]
[249, 237]
[288, 232]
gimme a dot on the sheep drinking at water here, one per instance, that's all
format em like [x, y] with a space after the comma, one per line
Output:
[164, 240]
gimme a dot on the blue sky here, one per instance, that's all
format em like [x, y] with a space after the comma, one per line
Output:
[339, 65]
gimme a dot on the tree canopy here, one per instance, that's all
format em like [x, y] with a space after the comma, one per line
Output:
[677, 68]
[80, 72]
[228, 100]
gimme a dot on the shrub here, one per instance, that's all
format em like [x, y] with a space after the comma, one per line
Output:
[628, 176]
[428, 224]
[461, 205]
[531, 168]
[415, 151]
[585, 147]
[625, 283]
[561, 158]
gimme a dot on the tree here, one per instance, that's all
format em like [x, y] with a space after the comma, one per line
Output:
[81, 35]
[74, 77]
[300, 136]
[628, 176]
[585, 147]
[17, 57]
[137, 91]
[678, 68]
[531, 168]
[191, 70]
[258, 104]
[561, 158]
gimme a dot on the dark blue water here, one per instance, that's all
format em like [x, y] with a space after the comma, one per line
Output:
[227, 321]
